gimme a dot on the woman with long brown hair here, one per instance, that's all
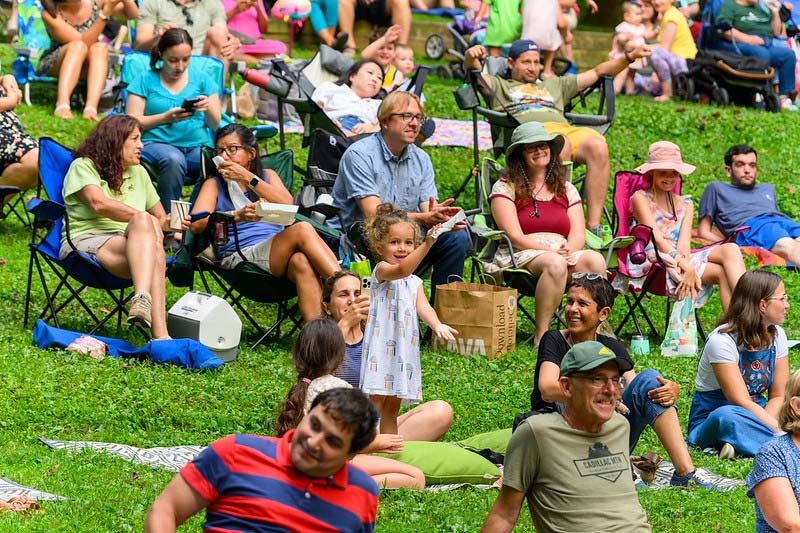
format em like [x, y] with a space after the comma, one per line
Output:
[742, 359]
[542, 215]
[115, 216]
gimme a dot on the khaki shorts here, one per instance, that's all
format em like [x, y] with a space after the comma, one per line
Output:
[87, 243]
[574, 134]
[258, 254]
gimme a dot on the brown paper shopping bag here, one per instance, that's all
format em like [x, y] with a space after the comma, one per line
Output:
[484, 315]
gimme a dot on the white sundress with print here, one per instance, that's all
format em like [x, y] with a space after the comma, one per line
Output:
[390, 361]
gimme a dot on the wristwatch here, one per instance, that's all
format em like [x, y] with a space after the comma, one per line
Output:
[253, 182]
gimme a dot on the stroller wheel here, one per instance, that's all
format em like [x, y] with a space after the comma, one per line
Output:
[445, 72]
[435, 46]
[719, 95]
[772, 103]
[683, 86]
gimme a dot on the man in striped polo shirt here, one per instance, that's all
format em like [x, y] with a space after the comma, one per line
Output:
[300, 482]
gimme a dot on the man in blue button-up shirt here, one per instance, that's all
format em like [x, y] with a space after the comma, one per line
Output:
[389, 167]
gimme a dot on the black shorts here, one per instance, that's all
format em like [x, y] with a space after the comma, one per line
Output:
[374, 12]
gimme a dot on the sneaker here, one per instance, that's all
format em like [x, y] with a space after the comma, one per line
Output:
[727, 451]
[139, 313]
[597, 229]
[700, 477]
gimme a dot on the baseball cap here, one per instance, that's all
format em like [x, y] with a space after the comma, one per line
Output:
[521, 46]
[588, 356]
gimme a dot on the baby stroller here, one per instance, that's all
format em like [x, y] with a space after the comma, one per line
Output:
[727, 78]
[465, 33]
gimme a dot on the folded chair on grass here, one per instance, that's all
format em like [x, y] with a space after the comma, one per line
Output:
[77, 271]
[654, 283]
[246, 281]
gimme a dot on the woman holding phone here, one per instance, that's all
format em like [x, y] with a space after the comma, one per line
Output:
[177, 105]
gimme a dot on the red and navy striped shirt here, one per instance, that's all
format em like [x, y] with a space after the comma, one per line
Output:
[252, 484]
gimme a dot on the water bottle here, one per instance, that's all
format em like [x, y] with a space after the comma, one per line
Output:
[606, 234]
[637, 253]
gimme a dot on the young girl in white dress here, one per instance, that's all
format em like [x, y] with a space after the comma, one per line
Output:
[390, 367]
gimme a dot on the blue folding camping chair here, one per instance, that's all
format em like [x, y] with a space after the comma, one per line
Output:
[77, 270]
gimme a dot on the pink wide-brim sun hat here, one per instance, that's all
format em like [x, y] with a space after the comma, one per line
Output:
[664, 155]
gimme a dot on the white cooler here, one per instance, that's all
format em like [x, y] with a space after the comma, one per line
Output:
[208, 319]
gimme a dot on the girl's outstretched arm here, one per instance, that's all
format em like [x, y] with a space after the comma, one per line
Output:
[386, 272]
[428, 315]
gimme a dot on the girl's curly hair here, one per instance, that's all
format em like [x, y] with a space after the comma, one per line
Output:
[104, 147]
[376, 230]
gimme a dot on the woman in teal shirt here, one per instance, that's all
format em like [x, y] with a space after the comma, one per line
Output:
[173, 136]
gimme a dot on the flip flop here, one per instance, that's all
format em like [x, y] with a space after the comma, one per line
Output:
[340, 42]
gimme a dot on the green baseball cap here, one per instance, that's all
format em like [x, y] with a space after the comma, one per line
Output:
[587, 356]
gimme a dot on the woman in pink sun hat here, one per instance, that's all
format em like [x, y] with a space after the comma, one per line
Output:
[691, 273]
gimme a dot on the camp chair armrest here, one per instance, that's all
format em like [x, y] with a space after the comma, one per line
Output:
[46, 209]
[577, 119]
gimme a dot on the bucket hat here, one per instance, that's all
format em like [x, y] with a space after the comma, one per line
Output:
[664, 155]
[534, 132]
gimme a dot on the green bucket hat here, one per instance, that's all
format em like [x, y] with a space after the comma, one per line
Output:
[534, 132]
[588, 356]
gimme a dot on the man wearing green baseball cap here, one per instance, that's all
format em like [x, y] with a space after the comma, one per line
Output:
[573, 466]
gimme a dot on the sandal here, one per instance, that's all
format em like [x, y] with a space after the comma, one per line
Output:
[59, 112]
[90, 113]
[349, 51]
[340, 42]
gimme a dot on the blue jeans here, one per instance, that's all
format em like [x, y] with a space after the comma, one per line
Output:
[175, 167]
[776, 52]
[324, 14]
[447, 257]
[643, 410]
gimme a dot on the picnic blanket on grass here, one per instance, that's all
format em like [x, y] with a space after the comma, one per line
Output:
[187, 353]
[173, 458]
[9, 489]
[448, 133]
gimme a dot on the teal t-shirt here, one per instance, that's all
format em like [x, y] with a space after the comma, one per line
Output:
[747, 19]
[187, 133]
[137, 191]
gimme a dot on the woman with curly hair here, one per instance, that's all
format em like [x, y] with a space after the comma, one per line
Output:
[542, 214]
[115, 216]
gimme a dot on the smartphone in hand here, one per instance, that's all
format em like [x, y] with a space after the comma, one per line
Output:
[189, 103]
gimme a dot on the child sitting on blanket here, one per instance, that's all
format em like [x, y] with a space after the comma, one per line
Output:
[317, 352]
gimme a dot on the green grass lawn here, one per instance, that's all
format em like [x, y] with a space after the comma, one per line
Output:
[60, 395]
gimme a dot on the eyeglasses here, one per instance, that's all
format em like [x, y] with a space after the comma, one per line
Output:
[538, 147]
[406, 117]
[231, 150]
[784, 298]
[598, 382]
[591, 276]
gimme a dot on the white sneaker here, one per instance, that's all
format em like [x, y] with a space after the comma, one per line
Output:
[727, 451]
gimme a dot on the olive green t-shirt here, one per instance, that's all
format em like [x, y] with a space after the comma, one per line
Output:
[137, 191]
[574, 480]
[204, 14]
[747, 19]
[542, 101]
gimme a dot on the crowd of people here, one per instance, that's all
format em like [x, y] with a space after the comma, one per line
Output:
[357, 358]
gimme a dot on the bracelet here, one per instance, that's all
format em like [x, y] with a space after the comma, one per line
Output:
[102, 16]
[674, 253]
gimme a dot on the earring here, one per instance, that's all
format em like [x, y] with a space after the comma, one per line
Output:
[159, 64]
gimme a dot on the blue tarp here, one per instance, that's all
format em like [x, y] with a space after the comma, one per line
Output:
[187, 353]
